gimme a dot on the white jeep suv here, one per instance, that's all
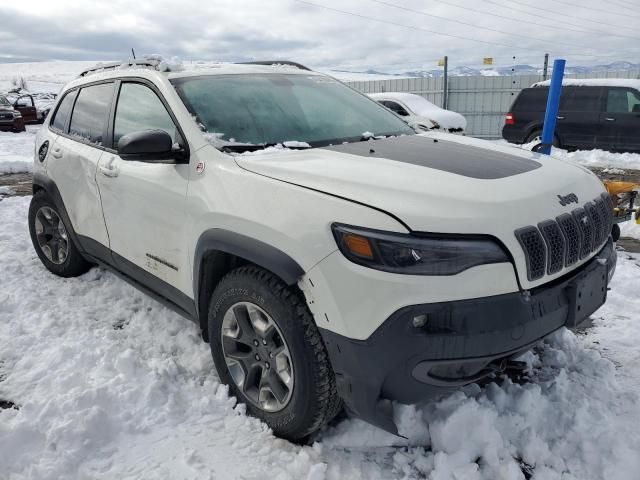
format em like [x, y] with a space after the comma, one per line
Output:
[331, 256]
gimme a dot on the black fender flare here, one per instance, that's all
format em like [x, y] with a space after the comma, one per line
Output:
[247, 248]
[42, 182]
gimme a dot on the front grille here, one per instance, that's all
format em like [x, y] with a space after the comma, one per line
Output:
[567, 239]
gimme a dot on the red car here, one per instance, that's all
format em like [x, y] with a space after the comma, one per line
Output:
[10, 118]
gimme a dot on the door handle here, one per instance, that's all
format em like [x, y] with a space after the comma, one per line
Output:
[610, 119]
[57, 153]
[560, 117]
[109, 171]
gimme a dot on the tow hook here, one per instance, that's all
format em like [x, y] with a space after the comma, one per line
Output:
[505, 365]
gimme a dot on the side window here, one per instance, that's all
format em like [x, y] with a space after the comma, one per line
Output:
[139, 108]
[24, 101]
[622, 100]
[580, 99]
[531, 100]
[396, 107]
[62, 113]
[90, 113]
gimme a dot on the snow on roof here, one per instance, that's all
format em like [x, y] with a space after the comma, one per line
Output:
[416, 103]
[595, 82]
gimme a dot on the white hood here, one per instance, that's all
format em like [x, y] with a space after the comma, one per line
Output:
[486, 195]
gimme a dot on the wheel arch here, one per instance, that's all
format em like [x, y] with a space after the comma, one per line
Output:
[42, 183]
[219, 251]
[538, 128]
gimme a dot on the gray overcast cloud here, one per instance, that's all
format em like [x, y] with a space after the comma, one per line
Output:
[391, 35]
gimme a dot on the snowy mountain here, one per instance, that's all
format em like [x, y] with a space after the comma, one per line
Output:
[464, 71]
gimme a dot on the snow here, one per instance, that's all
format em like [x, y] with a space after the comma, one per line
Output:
[17, 150]
[630, 229]
[617, 162]
[595, 82]
[110, 384]
[600, 158]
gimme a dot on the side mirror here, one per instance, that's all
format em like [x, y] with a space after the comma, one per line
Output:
[148, 146]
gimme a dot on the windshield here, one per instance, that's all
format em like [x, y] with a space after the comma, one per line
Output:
[277, 108]
[4, 101]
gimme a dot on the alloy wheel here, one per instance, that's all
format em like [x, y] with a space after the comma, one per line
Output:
[257, 356]
[52, 235]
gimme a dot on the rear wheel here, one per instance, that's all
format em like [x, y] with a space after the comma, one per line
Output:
[267, 348]
[51, 240]
[536, 138]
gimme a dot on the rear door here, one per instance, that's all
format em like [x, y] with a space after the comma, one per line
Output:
[74, 157]
[621, 119]
[578, 122]
[144, 202]
[27, 108]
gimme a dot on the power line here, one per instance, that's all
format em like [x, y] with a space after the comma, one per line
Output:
[450, 35]
[563, 28]
[624, 4]
[546, 17]
[419, 12]
[608, 12]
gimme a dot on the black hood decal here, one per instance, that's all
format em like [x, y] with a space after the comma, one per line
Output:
[452, 157]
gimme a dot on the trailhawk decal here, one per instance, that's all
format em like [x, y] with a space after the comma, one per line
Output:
[451, 157]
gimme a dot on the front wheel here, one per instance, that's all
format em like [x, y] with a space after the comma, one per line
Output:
[267, 348]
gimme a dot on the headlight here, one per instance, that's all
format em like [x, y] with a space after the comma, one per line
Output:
[429, 254]
[17, 114]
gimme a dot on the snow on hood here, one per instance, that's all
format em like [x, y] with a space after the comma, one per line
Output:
[424, 108]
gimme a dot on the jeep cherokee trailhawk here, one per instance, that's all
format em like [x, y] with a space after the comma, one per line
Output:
[331, 256]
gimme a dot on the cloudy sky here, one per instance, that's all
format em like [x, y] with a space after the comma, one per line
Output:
[389, 35]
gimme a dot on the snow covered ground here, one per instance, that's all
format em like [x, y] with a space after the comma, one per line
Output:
[17, 150]
[107, 383]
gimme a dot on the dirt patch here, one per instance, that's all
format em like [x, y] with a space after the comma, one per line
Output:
[18, 184]
[617, 174]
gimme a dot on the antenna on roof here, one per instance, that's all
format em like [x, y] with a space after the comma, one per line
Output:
[133, 53]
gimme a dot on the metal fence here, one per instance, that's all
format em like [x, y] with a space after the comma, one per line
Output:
[482, 100]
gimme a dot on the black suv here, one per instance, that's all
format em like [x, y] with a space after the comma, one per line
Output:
[594, 114]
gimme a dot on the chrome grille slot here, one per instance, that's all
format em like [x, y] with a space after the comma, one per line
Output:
[555, 242]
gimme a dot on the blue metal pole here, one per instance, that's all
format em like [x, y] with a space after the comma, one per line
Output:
[553, 102]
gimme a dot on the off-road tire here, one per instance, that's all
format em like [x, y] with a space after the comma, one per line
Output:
[314, 399]
[74, 264]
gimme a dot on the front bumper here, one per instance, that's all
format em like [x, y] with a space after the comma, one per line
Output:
[422, 350]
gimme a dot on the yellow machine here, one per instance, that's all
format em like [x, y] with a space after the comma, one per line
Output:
[623, 195]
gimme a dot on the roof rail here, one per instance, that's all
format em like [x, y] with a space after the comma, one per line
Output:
[148, 63]
[276, 62]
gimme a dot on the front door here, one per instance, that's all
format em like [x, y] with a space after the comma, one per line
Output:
[27, 108]
[621, 120]
[143, 202]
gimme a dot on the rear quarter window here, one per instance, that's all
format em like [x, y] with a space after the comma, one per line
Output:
[60, 116]
[531, 100]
